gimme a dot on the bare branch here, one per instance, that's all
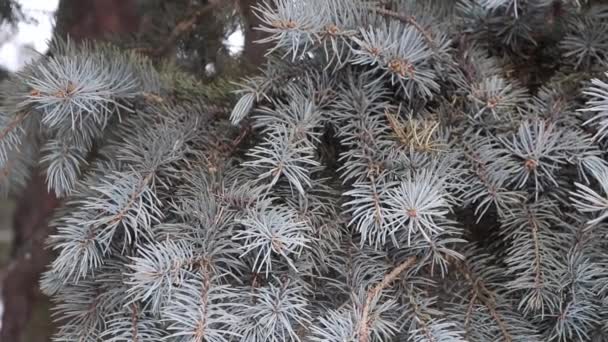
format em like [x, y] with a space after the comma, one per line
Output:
[363, 326]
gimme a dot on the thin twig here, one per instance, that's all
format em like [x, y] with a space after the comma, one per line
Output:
[408, 19]
[201, 327]
[239, 139]
[363, 326]
[134, 322]
[538, 272]
[183, 27]
[140, 190]
[14, 124]
[485, 296]
[469, 314]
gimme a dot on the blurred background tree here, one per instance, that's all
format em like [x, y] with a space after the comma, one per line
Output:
[9, 10]
[190, 34]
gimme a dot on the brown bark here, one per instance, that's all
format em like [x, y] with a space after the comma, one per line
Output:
[89, 19]
[19, 280]
[254, 52]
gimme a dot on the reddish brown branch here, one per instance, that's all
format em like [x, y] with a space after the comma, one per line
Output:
[408, 19]
[373, 293]
[485, 296]
[134, 321]
[14, 124]
[141, 187]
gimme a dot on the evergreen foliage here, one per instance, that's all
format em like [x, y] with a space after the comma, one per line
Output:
[398, 171]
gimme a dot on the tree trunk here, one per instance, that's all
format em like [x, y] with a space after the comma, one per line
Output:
[90, 19]
[19, 280]
[254, 52]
